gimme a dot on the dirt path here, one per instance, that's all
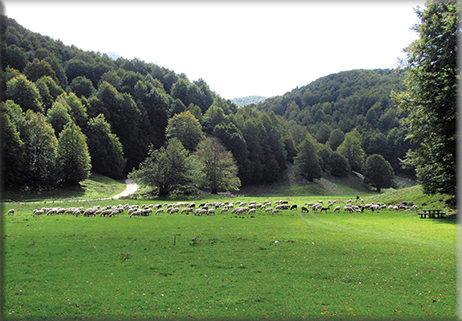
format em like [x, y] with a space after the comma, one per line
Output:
[131, 188]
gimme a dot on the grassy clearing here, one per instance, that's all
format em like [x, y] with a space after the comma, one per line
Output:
[96, 186]
[390, 265]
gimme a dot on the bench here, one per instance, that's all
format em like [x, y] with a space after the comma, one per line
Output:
[431, 214]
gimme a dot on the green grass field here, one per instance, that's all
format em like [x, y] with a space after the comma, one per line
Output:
[293, 265]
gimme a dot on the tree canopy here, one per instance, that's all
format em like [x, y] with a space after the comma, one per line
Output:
[430, 103]
[126, 109]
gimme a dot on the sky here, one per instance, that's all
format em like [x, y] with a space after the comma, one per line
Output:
[239, 48]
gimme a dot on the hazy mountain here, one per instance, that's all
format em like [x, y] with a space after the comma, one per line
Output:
[244, 101]
[113, 55]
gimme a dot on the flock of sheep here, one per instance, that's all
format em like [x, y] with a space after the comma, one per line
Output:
[238, 208]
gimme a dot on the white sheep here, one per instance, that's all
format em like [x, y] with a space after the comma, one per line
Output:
[187, 210]
[11, 212]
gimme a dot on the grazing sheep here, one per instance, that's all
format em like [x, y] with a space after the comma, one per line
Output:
[38, 212]
[136, 213]
[348, 208]
[293, 207]
[172, 210]
[324, 209]
[200, 211]
[276, 210]
[337, 209]
[89, 212]
[187, 210]
[160, 210]
[11, 212]
[304, 209]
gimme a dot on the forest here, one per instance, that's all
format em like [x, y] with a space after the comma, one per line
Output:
[67, 113]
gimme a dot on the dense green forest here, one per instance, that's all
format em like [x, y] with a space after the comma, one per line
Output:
[357, 100]
[67, 112]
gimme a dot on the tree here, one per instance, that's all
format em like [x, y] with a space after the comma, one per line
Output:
[58, 116]
[73, 156]
[37, 69]
[216, 166]
[24, 93]
[105, 149]
[165, 168]
[186, 128]
[82, 86]
[76, 110]
[12, 150]
[306, 162]
[378, 172]
[351, 149]
[15, 57]
[430, 103]
[40, 151]
[338, 165]
[336, 138]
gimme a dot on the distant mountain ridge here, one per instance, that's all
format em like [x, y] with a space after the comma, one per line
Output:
[244, 101]
[113, 55]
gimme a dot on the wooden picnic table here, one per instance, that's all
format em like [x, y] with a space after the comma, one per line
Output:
[431, 213]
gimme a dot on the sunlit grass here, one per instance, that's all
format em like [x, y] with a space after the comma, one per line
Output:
[390, 265]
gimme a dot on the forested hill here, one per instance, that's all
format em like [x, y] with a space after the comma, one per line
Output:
[345, 100]
[59, 98]
[356, 100]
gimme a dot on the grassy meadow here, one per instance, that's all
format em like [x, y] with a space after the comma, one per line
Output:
[291, 265]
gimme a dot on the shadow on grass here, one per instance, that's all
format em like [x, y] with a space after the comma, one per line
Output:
[450, 219]
[76, 191]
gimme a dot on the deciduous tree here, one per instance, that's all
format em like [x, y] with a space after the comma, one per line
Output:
[105, 149]
[378, 172]
[430, 103]
[165, 168]
[73, 156]
[215, 166]
[186, 128]
[306, 162]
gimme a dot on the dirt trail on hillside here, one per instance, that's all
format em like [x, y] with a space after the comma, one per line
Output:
[130, 189]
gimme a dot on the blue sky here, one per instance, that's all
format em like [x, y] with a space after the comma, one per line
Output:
[263, 48]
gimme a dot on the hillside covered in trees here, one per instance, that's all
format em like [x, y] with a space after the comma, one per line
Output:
[350, 101]
[67, 112]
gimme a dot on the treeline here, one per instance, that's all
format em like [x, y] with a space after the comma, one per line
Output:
[67, 111]
[357, 100]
